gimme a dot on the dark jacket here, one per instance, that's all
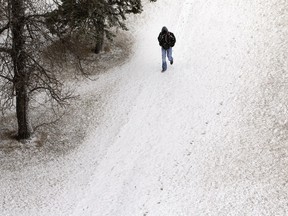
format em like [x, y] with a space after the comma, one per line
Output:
[166, 39]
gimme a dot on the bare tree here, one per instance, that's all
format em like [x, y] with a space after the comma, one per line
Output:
[23, 37]
[28, 27]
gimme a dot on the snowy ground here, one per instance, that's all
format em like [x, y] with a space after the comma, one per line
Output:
[207, 137]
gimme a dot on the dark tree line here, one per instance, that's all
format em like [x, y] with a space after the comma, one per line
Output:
[93, 17]
[28, 27]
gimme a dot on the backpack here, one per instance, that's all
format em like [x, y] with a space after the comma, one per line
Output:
[167, 40]
[170, 38]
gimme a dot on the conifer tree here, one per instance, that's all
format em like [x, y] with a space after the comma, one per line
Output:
[93, 17]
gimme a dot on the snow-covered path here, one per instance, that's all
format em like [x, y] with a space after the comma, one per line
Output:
[207, 137]
[192, 144]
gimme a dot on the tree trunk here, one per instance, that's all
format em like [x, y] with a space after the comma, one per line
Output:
[99, 43]
[21, 76]
[22, 108]
[100, 36]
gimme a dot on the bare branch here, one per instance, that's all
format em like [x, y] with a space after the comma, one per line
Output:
[61, 100]
[49, 84]
[5, 71]
[6, 50]
[42, 70]
[49, 123]
[4, 27]
[36, 16]
[7, 78]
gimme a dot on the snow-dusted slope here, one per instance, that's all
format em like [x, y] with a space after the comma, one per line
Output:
[192, 144]
[207, 137]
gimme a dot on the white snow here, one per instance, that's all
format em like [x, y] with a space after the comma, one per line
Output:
[207, 137]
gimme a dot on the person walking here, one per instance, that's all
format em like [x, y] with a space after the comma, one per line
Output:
[166, 40]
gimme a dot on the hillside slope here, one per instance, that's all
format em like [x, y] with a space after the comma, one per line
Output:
[207, 137]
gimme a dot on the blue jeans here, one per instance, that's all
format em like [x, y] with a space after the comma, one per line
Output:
[169, 55]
